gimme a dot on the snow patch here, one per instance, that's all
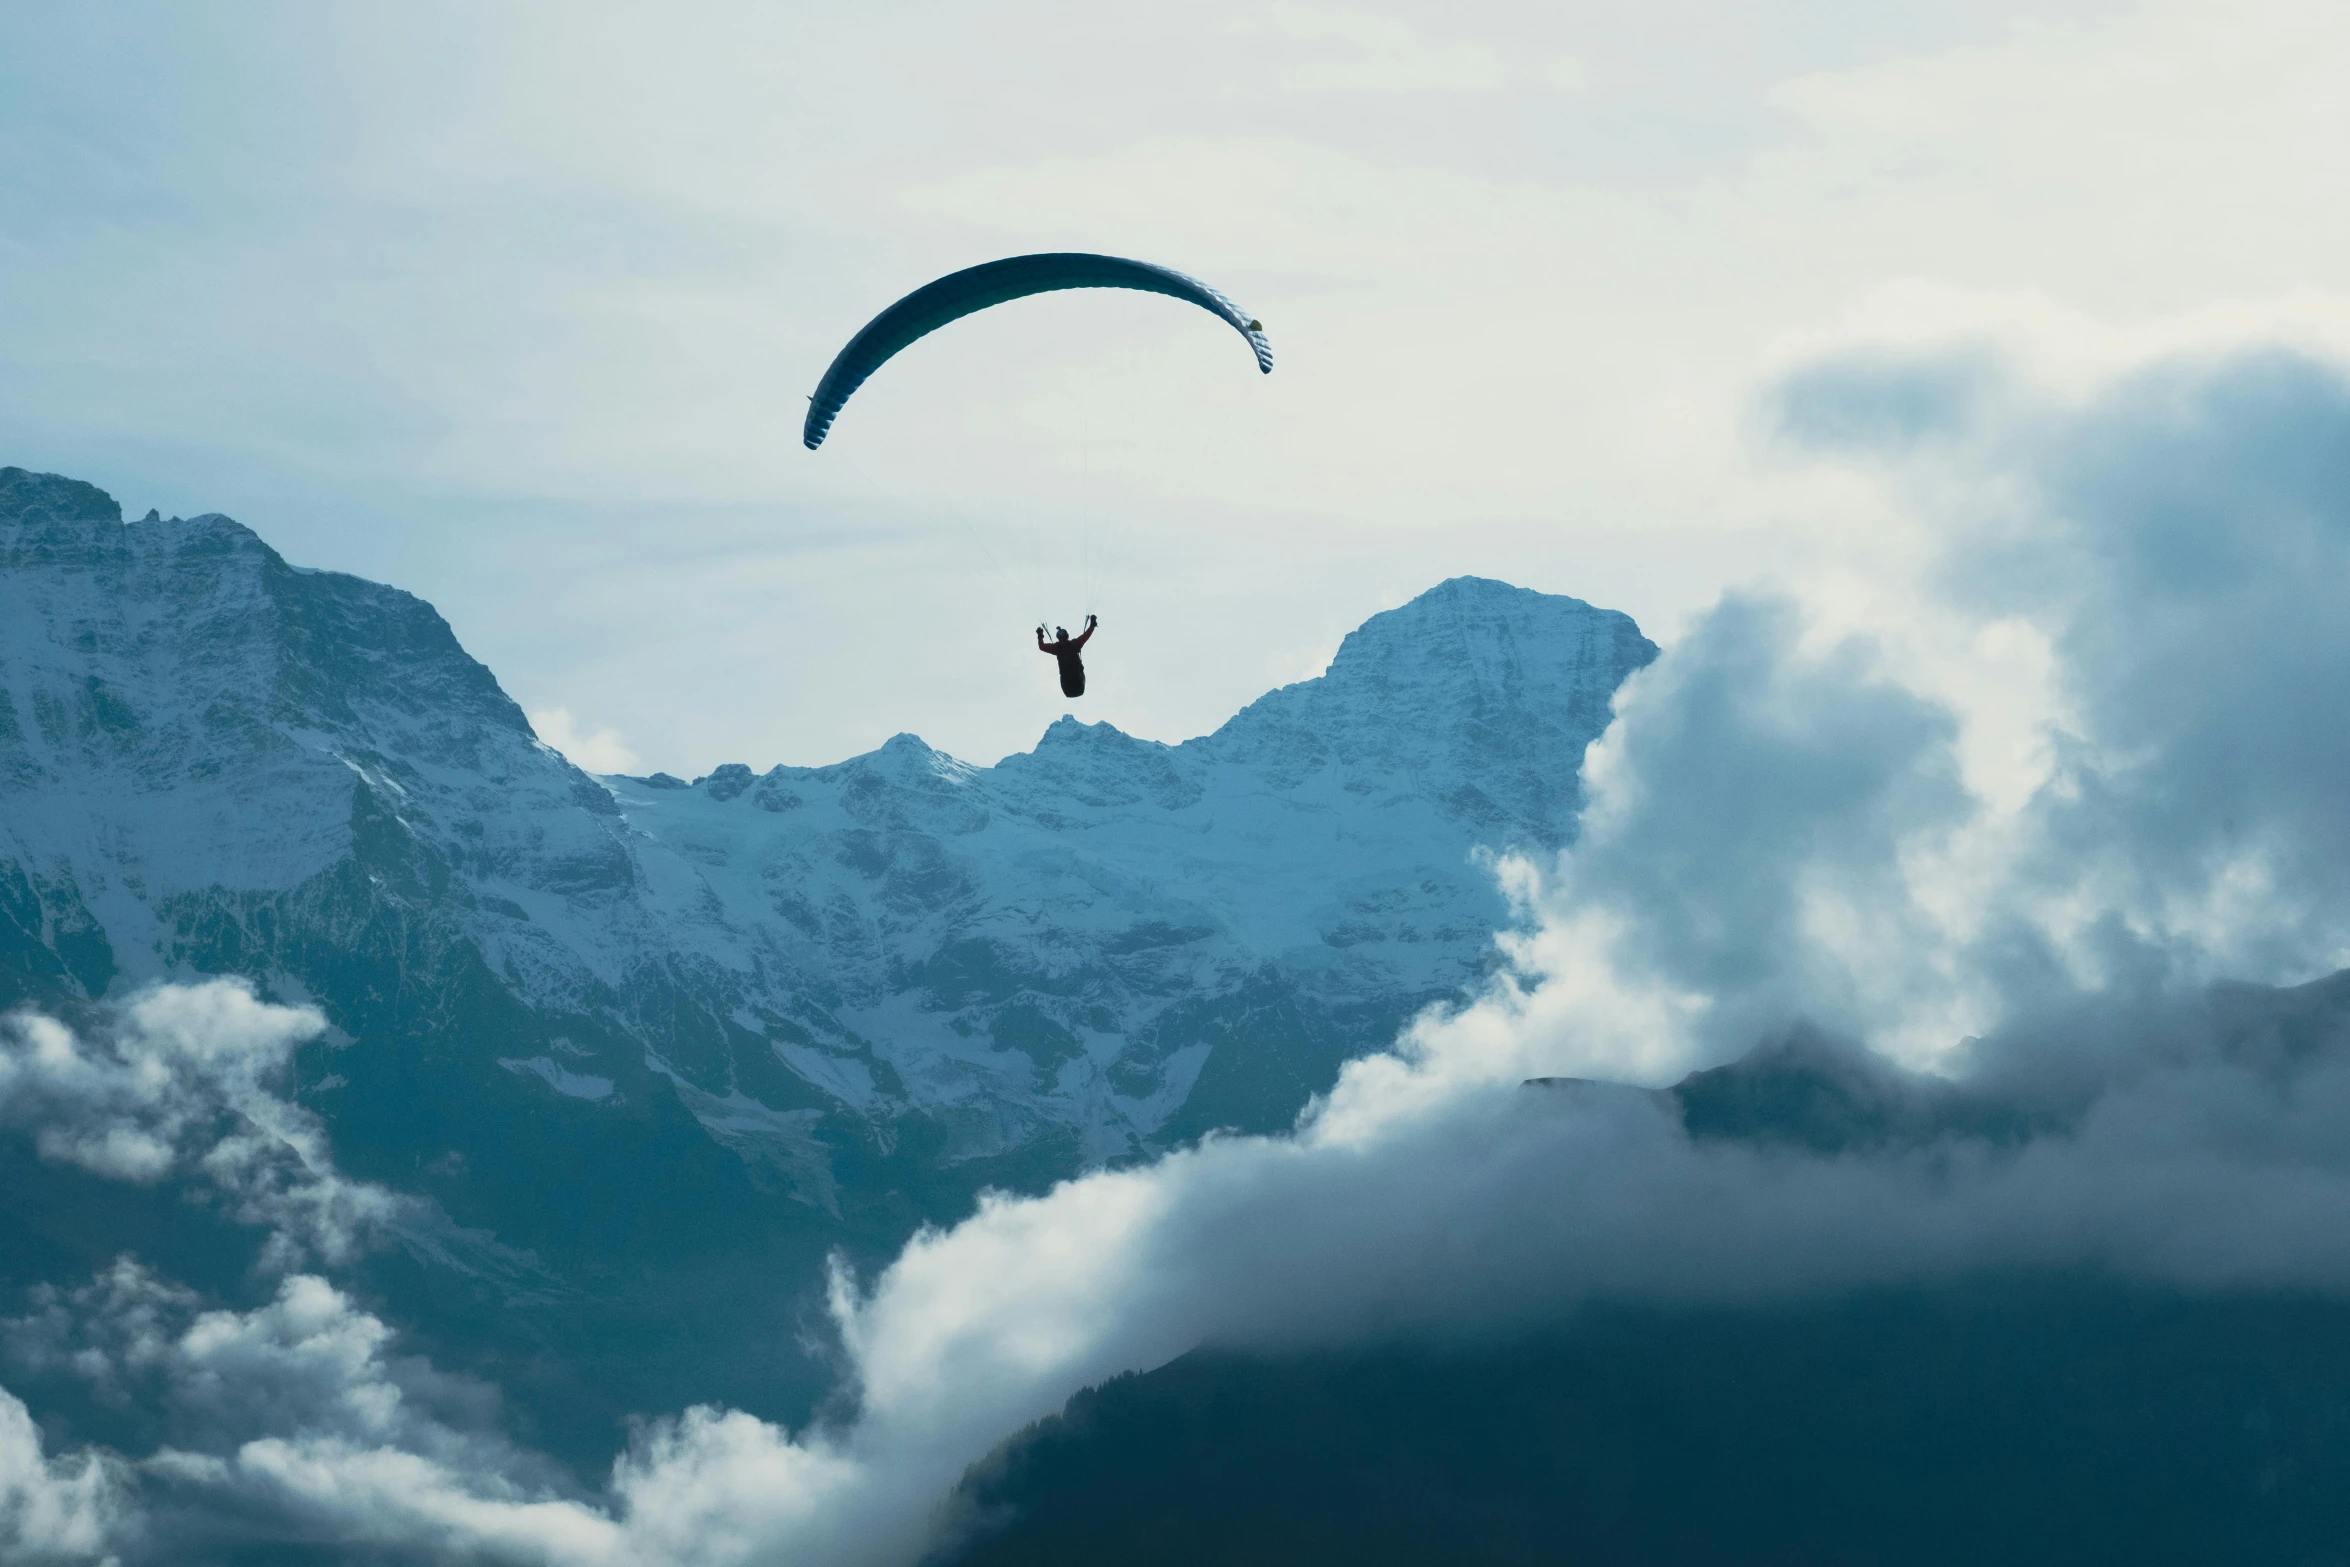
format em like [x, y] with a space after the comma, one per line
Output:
[573, 1085]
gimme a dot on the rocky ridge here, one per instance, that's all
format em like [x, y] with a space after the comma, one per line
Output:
[645, 1028]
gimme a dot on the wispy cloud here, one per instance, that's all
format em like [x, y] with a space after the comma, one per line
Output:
[179, 1084]
[591, 750]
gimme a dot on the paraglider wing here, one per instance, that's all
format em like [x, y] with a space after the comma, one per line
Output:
[959, 294]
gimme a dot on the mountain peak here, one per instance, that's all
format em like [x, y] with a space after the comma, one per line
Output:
[27, 497]
[193, 642]
[48, 518]
[1460, 611]
[1480, 692]
[1069, 729]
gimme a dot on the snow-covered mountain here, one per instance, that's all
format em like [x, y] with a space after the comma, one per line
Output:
[213, 761]
[1078, 942]
[857, 993]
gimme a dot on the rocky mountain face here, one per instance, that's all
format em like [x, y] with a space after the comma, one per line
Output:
[621, 1023]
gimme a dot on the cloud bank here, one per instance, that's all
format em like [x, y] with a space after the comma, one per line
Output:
[52, 1509]
[179, 1088]
[2045, 811]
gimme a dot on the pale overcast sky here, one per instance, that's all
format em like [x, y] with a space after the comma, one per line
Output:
[516, 306]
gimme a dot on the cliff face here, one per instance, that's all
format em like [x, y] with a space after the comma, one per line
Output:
[190, 727]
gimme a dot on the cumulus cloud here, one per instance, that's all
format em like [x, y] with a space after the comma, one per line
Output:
[2129, 593]
[292, 1418]
[299, 1419]
[589, 749]
[177, 1084]
[2212, 1158]
[126, 1106]
[63, 1509]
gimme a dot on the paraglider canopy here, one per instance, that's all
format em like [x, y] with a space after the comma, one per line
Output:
[959, 294]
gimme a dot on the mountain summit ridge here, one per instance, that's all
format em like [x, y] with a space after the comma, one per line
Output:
[859, 993]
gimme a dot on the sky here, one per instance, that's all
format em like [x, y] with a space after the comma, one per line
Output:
[515, 306]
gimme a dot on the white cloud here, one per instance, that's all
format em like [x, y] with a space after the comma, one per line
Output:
[297, 1410]
[129, 1106]
[176, 1084]
[54, 1510]
[1400, 1212]
[590, 750]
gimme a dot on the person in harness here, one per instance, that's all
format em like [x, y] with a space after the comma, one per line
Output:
[1064, 648]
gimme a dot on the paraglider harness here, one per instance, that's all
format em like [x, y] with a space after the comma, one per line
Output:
[1064, 649]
